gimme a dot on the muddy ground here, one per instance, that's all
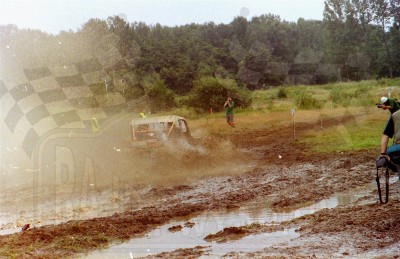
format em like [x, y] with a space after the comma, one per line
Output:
[283, 172]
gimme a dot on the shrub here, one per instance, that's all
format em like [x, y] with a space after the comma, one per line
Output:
[210, 92]
[161, 97]
[132, 92]
[339, 96]
[305, 100]
[281, 94]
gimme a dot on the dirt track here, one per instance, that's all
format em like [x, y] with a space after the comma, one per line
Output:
[284, 173]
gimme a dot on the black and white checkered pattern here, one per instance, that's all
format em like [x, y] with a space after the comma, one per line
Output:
[47, 98]
[37, 100]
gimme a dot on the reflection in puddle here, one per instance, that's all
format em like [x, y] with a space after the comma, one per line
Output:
[162, 240]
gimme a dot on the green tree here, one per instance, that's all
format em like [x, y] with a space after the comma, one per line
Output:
[159, 95]
[382, 15]
[126, 43]
[211, 92]
[342, 34]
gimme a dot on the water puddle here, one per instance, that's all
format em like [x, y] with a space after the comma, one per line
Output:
[163, 240]
[10, 231]
[59, 209]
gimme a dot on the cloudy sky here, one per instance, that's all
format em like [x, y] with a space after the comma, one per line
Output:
[53, 16]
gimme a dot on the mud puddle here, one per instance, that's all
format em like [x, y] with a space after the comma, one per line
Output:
[189, 233]
[61, 209]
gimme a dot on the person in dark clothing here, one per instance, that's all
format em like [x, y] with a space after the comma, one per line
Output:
[393, 124]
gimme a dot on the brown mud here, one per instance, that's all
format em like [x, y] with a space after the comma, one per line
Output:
[284, 172]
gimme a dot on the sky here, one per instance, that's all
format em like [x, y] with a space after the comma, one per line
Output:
[53, 16]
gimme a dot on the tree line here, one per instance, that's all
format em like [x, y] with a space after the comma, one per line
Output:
[356, 40]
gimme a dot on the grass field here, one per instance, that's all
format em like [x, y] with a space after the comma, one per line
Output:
[315, 104]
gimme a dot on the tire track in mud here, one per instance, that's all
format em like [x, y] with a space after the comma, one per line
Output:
[364, 231]
[258, 184]
[291, 181]
[369, 229]
[277, 141]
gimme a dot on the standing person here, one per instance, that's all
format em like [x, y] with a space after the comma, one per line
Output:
[229, 105]
[391, 105]
[392, 130]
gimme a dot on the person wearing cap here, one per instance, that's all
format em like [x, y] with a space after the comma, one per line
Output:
[390, 155]
[389, 104]
[392, 129]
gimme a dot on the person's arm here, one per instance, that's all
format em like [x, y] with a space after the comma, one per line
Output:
[389, 104]
[384, 144]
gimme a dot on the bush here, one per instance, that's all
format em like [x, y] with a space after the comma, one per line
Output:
[210, 92]
[341, 97]
[161, 97]
[305, 100]
[132, 93]
[281, 94]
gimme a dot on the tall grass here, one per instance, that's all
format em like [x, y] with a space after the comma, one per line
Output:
[342, 94]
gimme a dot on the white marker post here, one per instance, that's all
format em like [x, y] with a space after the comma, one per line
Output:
[293, 111]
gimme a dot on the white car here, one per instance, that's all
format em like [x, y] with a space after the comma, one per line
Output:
[155, 131]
